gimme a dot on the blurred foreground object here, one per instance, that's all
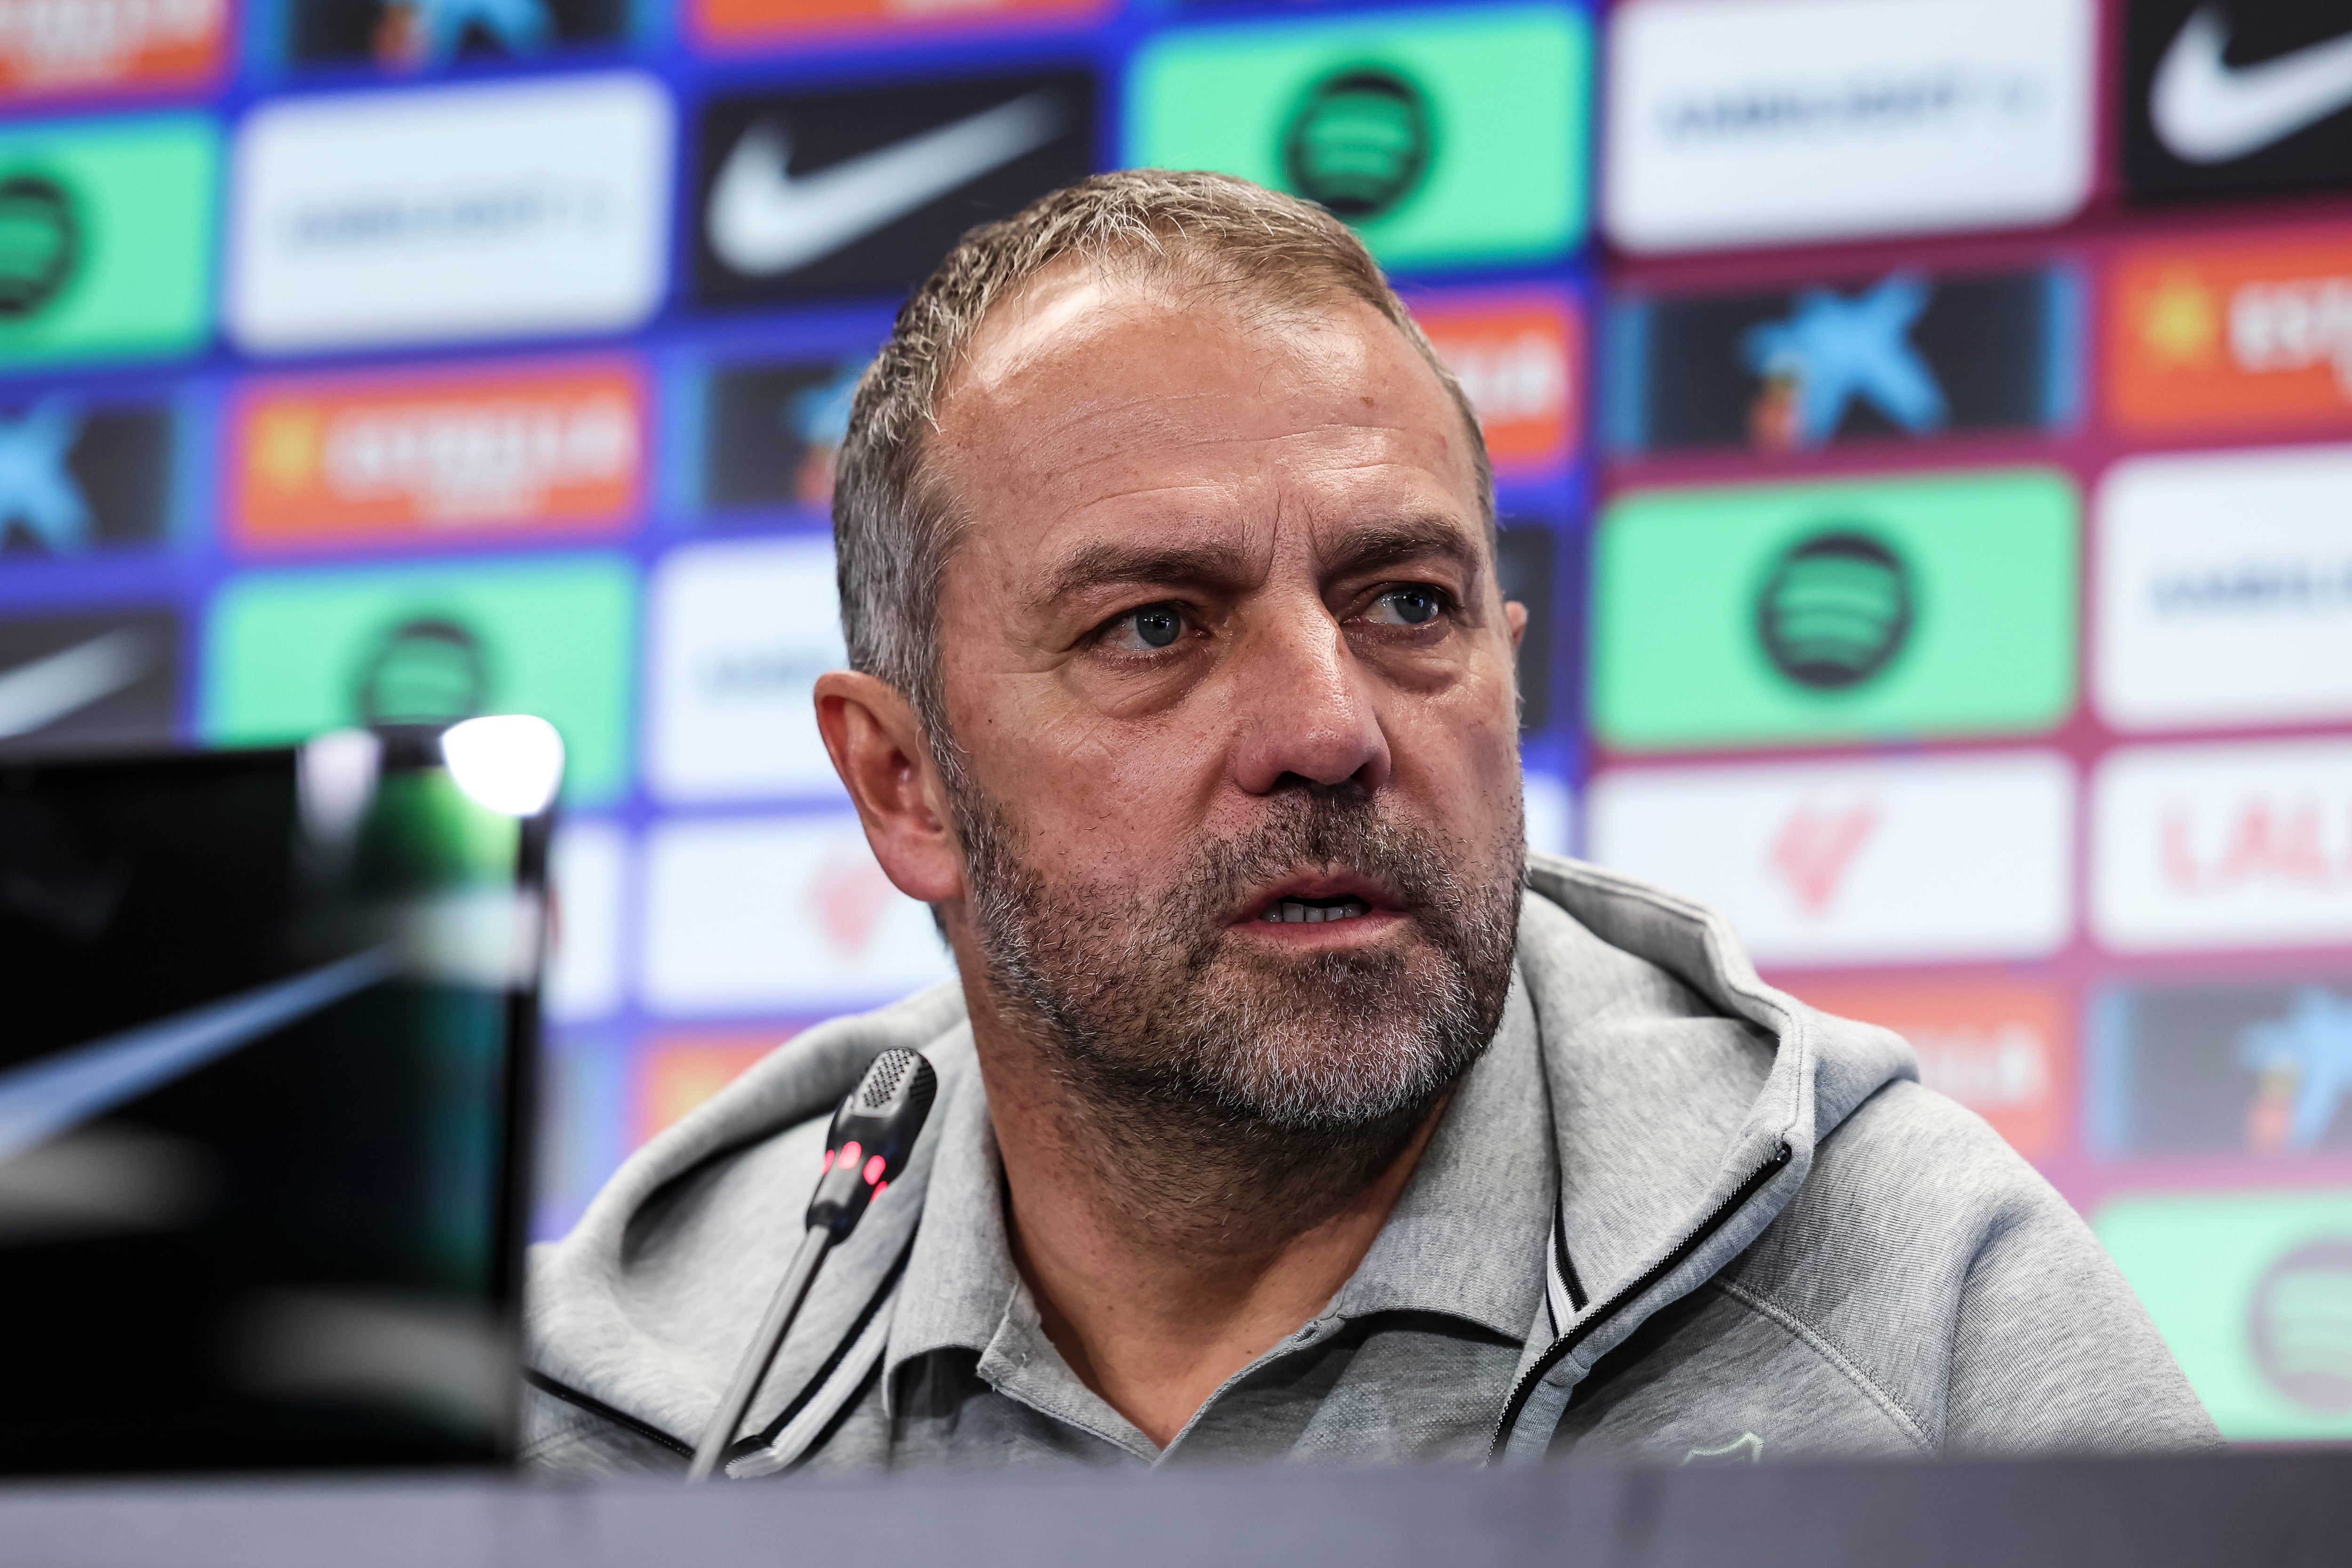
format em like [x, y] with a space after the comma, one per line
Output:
[262, 1095]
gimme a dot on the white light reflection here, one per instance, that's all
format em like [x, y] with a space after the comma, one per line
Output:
[511, 763]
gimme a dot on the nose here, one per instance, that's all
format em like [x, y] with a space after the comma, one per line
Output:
[1303, 705]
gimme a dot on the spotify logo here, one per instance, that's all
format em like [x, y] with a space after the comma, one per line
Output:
[1359, 142]
[1835, 610]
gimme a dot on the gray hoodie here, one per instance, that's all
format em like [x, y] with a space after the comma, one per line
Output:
[1762, 1229]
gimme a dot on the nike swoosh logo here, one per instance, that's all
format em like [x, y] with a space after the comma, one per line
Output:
[2205, 112]
[762, 219]
[43, 690]
[48, 1096]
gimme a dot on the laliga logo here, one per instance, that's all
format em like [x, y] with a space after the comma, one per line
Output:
[2280, 844]
[851, 895]
[1815, 848]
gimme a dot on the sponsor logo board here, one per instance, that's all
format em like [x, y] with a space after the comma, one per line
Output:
[105, 237]
[554, 635]
[2225, 845]
[1836, 611]
[777, 914]
[2248, 333]
[583, 1093]
[1742, 122]
[78, 476]
[424, 35]
[739, 631]
[728, 24]
[1951, 860]
[864, 189]
[588, 874]
[2222, 95]
[1527, 561]
[1445, 137]
[2251, 1291]
[2259, 1069]
[2224, 589]
[1520, 356]
[772, 429]
[89, 677]
[429, 457]
[1907, 355]
[1995, 1046]
[677, 1071]
[95, 45]
[496, 210]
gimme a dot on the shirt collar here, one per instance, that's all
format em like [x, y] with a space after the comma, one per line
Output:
[959, 1276]
[1467, 1237]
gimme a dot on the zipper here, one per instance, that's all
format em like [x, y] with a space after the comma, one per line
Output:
[1526, 1387]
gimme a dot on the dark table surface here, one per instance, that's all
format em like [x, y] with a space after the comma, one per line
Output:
[2239, 1509]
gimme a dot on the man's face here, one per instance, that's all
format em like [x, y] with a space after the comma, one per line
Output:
[1224, 651]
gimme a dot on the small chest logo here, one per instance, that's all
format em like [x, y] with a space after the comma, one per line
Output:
[1747, 1449]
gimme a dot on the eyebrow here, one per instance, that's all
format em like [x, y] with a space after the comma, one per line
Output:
[1363, 548]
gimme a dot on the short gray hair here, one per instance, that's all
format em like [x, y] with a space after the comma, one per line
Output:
[894, 525]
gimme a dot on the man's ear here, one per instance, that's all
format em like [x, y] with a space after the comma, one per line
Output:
[1515, 616]
[876, 745]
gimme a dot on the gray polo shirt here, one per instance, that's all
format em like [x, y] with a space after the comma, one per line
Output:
[1411, 1360]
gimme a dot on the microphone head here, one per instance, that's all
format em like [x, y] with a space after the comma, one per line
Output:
[871, 1136]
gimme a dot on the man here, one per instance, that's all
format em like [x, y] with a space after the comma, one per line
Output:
[1287, 1106]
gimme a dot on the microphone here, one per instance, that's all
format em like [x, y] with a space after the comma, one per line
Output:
[864, 1150]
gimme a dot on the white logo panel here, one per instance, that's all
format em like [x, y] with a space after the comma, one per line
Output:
[447, 212]
[778, 915]
[588, 874]
[1737, 122]
[2225, 589]
[1856, 862]
[740, 630]
[2224, 846]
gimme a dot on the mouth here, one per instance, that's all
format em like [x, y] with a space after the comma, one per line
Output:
[1355, 901]
[1314, 911]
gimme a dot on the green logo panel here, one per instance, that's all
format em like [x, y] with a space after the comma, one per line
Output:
[105, 237]
[290, 654]
[1444, 136]
[1879, 609]
[2253, 1291]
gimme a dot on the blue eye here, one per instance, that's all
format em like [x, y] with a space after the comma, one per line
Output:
[1157, 625]
[1412, 606]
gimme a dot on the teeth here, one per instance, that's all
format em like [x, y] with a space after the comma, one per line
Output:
[1297, 911]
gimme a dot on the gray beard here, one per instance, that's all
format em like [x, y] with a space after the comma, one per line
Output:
[1228, 1087]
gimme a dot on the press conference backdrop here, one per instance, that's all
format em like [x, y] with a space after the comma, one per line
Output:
[1924, 431]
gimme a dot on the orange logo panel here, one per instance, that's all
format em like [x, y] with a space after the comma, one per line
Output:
[2227, 336]
[79, 45]
[744, 21]
[344, 462]
[1518, 360]
[678, 1073]
[1995, 1046]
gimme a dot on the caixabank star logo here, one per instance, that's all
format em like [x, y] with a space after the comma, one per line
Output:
[1452, 137]
[1907, 355]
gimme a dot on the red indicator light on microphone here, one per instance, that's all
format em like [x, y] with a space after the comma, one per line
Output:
[874, 1168]
[849, 1153]
[879, 1188]
[828, 1163]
